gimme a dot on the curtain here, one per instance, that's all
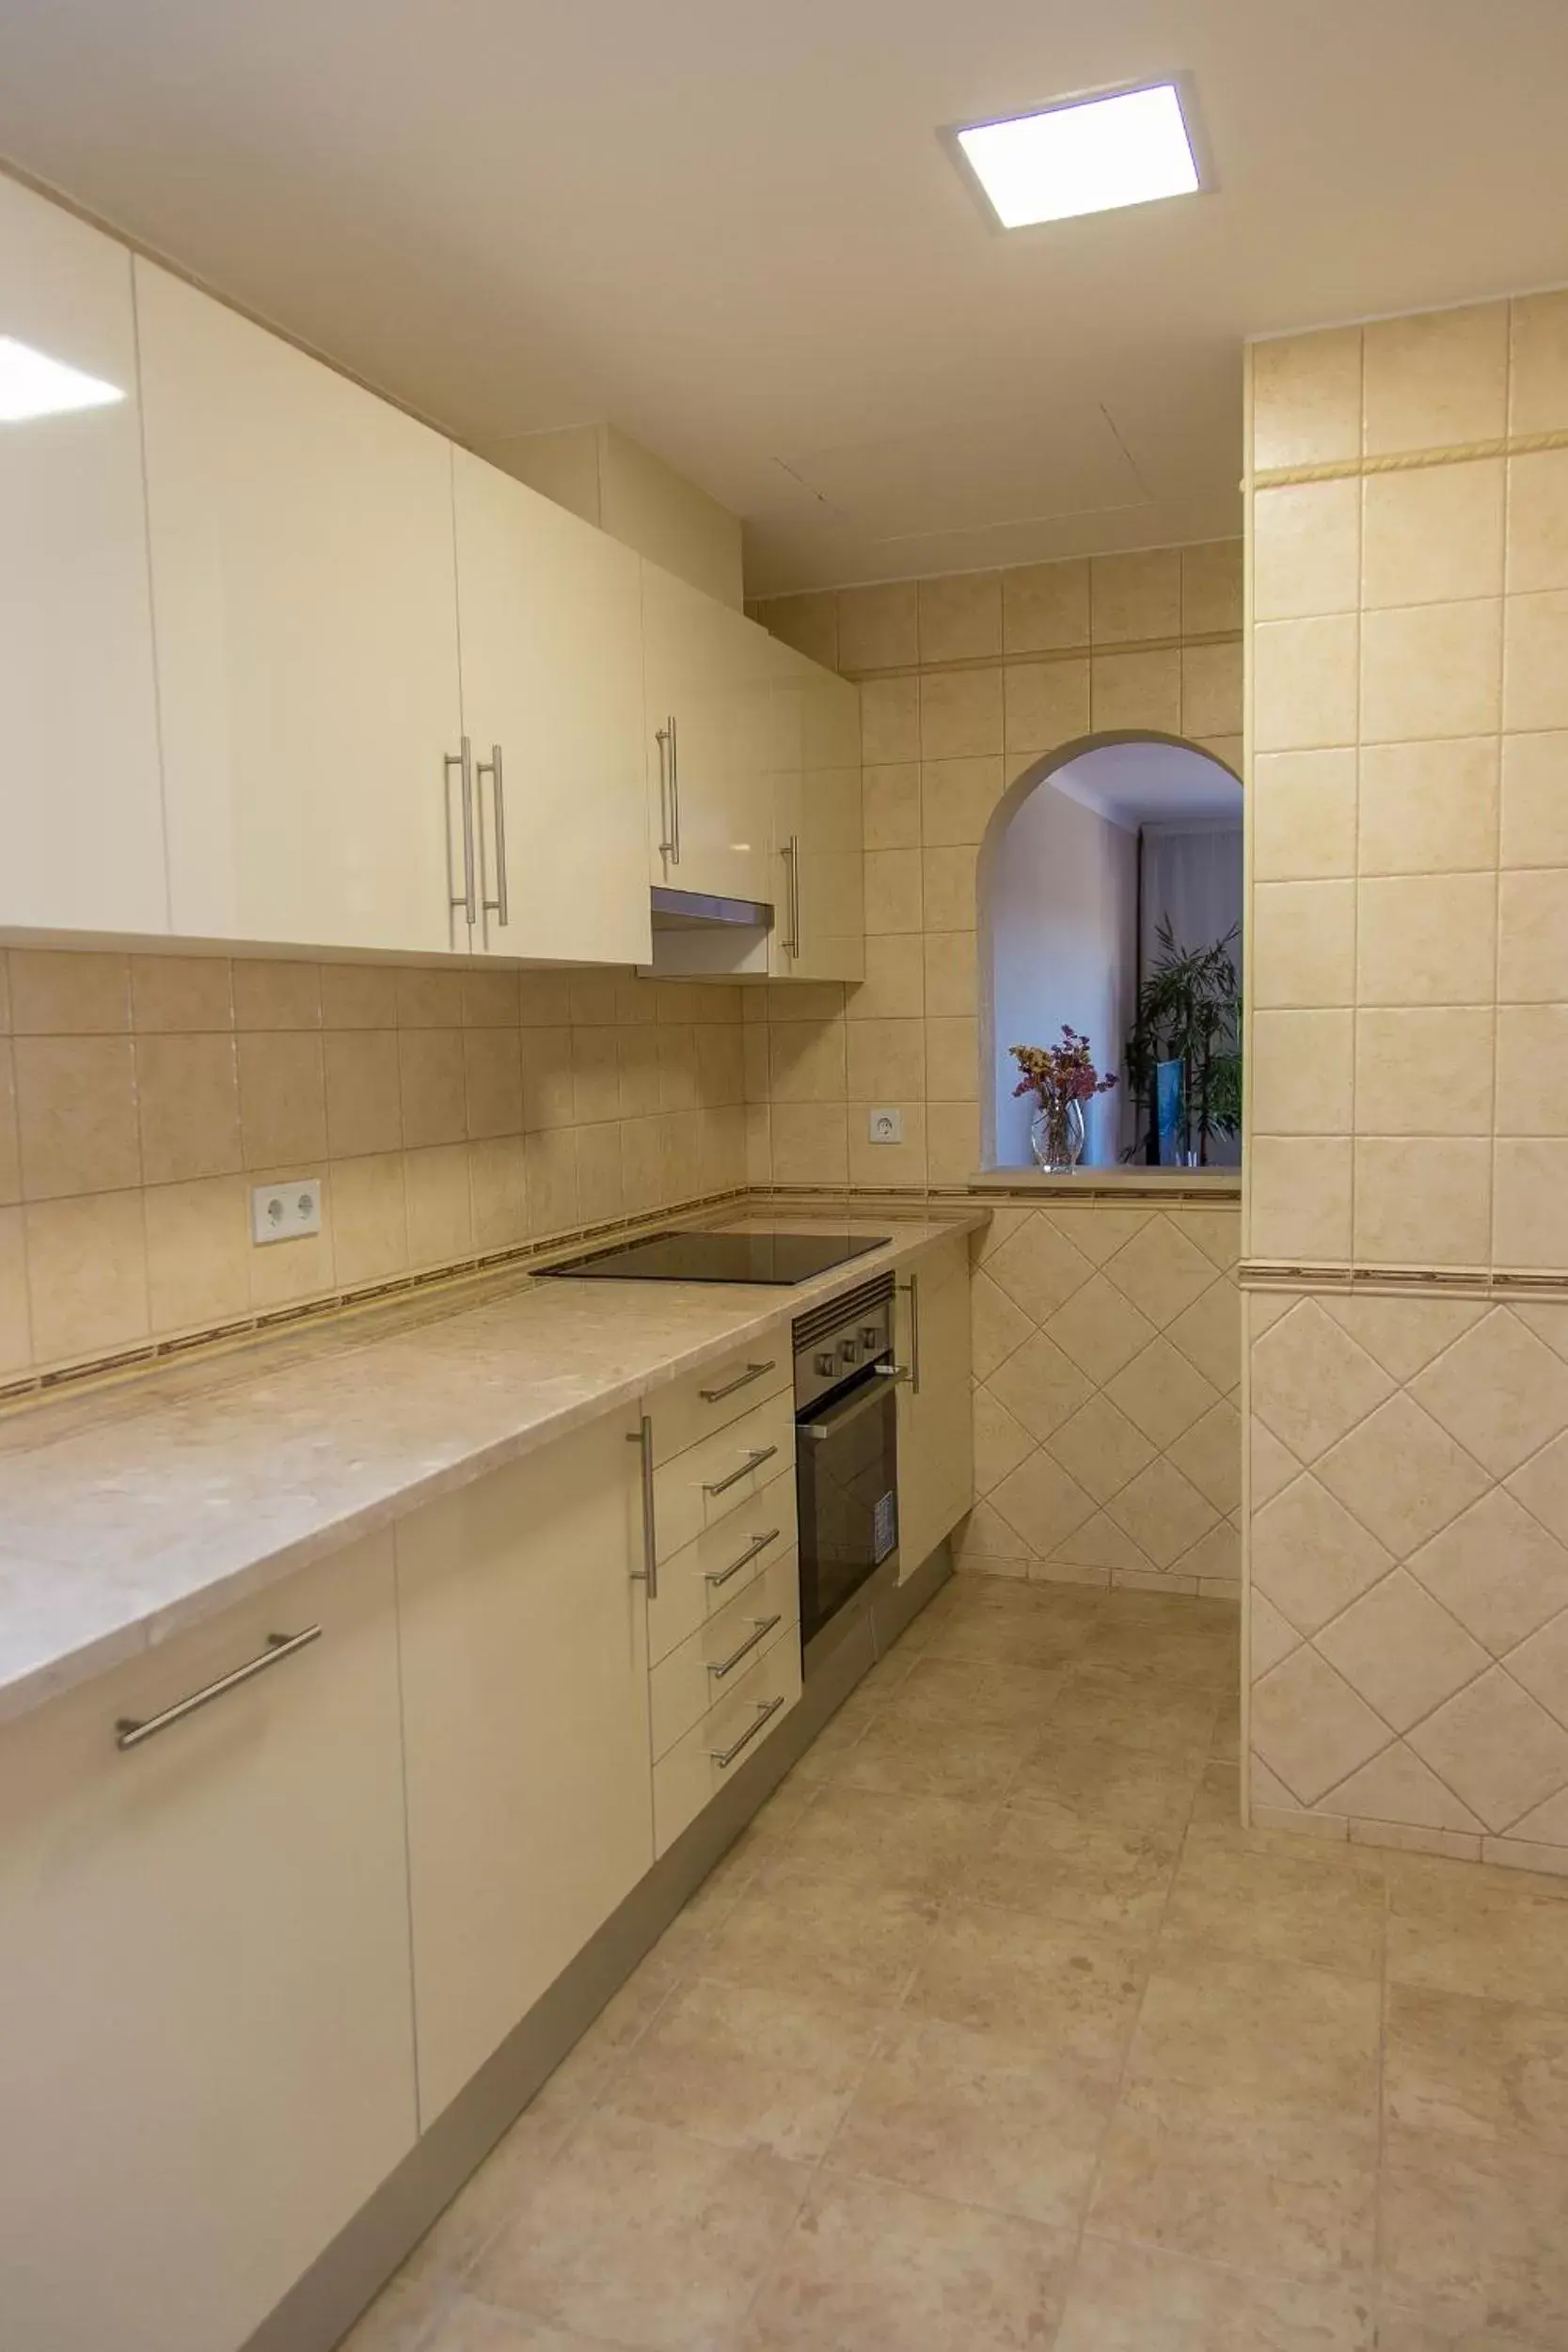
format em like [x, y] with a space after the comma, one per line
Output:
[1191, 877]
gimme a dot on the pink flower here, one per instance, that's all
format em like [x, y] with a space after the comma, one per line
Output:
[1060, 1073]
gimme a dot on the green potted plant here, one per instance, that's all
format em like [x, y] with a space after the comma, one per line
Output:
[1184, 1055]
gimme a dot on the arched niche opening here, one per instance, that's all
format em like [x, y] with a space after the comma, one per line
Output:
[1091, 853]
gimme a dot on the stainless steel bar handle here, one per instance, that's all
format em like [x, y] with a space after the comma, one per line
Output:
[675, 788]
[757, 1455]
[647, 1574]
[499, 905]
[753, 1372]
[724, 1758]
[129, 1733]
[463, 761]
[719, 1668]
[758, 1543]
[911, 1288]
[792, 851]
[666, 824]
[866, 1401]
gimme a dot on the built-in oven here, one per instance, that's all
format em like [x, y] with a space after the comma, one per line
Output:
[846, 1449]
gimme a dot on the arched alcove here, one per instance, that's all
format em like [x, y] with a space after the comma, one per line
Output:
[1088, 852]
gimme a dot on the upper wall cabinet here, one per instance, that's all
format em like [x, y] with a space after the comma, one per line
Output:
[819, 867]
[306, 609]
[81, 823]
[706, 672]
[549, 615]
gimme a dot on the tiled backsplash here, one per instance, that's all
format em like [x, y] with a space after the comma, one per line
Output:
[450, 1113]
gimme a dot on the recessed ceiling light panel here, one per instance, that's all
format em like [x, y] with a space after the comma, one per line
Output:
[33, 385]
[1094, 156]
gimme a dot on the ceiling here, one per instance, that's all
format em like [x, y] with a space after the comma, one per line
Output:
[1151, 783]
[729, 226]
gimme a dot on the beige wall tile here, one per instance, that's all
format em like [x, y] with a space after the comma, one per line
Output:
[550, 1160]
[1538, 521]
[677, 1069]
[430, 1075]
[1434, 535]
[809, 623]
[370, 1220]
[1303, 684]
[1531, 1228]
[11, 1155]
[363, 1097]
[1428, 808]
[181, 992]
[1426, 939]
[1423, 1070]
[1423, 1201]
[1535, 800]
[490, 1000]
[1305, 549]
[950, 973]
[809, 1143]
[277, 995]
[878, 627]
[1137, 690]
[188, 1099]
[1299, 1199]
[1045, 607]
[433, 1000]
[886, 1062]
[16, 1330]
[952, 1059]
[890, 721]
[1535, 661]
[1431, 670]
[86, 1274]
[951, 1142]
[1302, 813]
[894, 986]
[600, 1185]
[5, 995]
[1306, 398]
[282, 1100]
[1436, 378]
[594, 999]
[887, 1163]
[961, 617]
[807, 1061]
[960, 713]
[549, 1085]
[438, 1206]
[595, 1076]
[947, 885]
[721, 1078]
[1302, 947]
[890, 801]
[1532, 938]
[358, 997]
[198, 1250]
[55, 994]
[1047, 705]
[1299, 1072]
[1538, 383]
[892, 881]
[1211, 690]
[76, 1115]
[1212, 587]
[498, 1191]
[1532, 1070]
[957, 799]
[1134, 596]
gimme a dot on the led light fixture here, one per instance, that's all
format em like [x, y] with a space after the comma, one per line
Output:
[1090, 156]
[33, 385]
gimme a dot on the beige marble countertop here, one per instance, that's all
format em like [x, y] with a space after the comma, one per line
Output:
[129, 1513]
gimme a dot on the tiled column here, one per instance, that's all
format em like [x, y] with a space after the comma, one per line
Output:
[1406, 1213]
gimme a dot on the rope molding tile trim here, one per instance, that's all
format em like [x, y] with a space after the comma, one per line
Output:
[1255, 1274]
[1406, 460]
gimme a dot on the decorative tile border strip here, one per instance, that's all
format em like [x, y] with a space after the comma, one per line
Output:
[1086, 652]
[1404, 461]
[1257, 1273]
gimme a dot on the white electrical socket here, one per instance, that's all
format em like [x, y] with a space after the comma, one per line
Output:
[884, 1127]
[285, 1212]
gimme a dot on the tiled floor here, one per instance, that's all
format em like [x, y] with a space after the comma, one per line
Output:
[996, 2034]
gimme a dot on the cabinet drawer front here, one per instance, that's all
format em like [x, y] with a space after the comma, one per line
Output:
[689, 1410]
[694, 1771]
[711, 1481]
[706, 1576]
[690, 1682]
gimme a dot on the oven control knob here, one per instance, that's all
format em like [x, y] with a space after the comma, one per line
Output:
[827, 1364]
[871, 1339]
[849, 1350]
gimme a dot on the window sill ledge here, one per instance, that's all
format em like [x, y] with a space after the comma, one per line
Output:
[1219, 1184]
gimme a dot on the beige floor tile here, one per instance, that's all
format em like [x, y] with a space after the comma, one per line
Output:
[1263, 2037]
[1401, 2330]
[1098, 1781]
[797, 1929]
[1092, 1874]
[918, 1844]
[1073, 1993]
[912, 1756]
[1278, 1906]
[1456, 1930]
[747, 2068]
[980, 2119]
[645, 2236]
[1129, 2298]
[471, 2326]
[1480, 2228]
[1135, 1712]
[1208, 1656]
[1031, 1635]
[882, 2270]
[400, 2318]
[1013, 1695]
[1491, 2070]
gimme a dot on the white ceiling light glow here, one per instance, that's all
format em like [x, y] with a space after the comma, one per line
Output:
[33, 385]
[1093, 157]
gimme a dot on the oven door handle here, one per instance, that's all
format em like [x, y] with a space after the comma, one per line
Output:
[863, 1401]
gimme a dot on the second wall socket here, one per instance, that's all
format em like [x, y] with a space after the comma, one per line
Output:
[884, 1127]
[288, 1212]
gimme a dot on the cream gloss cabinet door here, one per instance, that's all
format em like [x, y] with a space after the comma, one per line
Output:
[707, 682]
[81, 806]
[305, 605]
[206, 2053]
[936, 1444]
[525, 1662]
[819, 837]
[550, 632]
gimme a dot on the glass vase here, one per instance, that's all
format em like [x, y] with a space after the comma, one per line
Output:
[1056, 1134]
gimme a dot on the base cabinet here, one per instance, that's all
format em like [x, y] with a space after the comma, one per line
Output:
[206, 2064]
[936, 1441]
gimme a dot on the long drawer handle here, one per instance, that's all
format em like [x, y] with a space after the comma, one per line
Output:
[753, 1372]
[642, 1437]
[724, 1758]
[129, 1733]
[753, 1461]
[758, 1543]
[764, 1627]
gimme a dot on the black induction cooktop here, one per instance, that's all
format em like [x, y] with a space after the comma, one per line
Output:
[706, 1257]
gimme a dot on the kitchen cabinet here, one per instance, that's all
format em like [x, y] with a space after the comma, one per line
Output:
[207, 2066]
[525, 1664]
[81, 815]
[819, 841]
[707, 719]
[936, 1450]
[550, 638]
[305, 606]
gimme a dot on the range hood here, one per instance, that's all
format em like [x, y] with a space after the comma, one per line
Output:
[695, 932]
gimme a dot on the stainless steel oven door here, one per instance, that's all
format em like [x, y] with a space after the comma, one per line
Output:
[847, 1476]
